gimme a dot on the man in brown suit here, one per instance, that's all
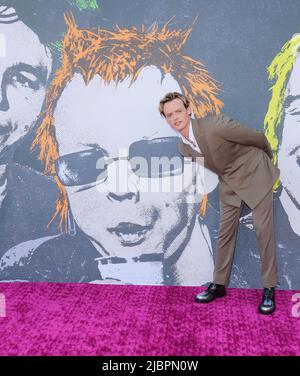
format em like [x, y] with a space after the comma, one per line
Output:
[241, 157]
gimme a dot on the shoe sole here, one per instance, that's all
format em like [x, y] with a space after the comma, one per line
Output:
[266, 313]
[211, 300]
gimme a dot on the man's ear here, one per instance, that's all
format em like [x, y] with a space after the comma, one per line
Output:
[189, 110]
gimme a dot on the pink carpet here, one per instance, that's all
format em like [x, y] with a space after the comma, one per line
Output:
[83, 319]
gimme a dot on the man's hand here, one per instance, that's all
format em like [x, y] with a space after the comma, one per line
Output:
[3, 183]
[268, 150]
[270, 154]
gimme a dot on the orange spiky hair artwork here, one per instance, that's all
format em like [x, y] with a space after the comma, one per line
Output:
[115, 55]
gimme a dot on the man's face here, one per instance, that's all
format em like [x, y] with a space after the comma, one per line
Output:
[110, 118]
[289, 150]
[177, 116]
[24, 68]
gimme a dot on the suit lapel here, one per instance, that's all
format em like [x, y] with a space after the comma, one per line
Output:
[188, 148]
[199, 132]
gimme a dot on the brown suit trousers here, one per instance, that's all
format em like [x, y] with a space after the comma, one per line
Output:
[263, 223]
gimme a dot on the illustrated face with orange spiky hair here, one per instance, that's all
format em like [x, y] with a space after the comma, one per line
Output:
[103, 104]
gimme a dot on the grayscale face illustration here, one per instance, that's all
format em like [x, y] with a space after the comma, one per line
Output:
[289, 150]
[25, 65]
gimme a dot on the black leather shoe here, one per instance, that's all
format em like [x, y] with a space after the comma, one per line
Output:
[267, 305]
[211, 293]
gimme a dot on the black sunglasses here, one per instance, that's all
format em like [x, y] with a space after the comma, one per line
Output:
[154, 158]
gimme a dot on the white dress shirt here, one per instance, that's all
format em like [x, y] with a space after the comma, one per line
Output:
[191, 141]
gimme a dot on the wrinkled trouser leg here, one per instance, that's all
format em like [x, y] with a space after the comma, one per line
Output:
[264, 226]
[229, 222]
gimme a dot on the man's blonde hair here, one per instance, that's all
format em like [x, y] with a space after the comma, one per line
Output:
[170, 97]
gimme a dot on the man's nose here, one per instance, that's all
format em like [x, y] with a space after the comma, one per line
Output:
[175, 118]
[122, 182]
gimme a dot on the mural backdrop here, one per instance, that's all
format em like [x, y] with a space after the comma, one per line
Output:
[92, 186]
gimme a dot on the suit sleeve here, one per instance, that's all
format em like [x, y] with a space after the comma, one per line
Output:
[233, 131]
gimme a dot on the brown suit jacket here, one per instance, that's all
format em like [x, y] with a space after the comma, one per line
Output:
[240, 156]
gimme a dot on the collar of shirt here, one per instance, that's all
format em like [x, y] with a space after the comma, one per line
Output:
[191, 141]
